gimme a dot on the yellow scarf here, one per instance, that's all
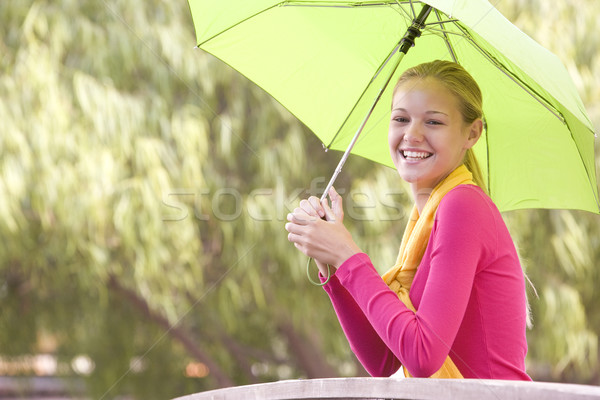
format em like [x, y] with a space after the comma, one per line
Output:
[414, 242]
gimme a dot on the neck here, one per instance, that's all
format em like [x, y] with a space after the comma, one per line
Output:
[421, 196]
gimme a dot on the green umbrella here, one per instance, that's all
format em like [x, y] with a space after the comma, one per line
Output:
[329, 63]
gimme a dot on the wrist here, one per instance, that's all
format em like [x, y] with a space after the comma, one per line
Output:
[325, 269]
[348, 251]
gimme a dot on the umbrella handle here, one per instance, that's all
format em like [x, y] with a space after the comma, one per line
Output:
[311, 279]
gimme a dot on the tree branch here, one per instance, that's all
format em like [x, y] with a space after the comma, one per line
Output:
[175, 331]
[310, 359]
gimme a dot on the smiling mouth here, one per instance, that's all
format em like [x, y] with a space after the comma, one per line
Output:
[415, 155]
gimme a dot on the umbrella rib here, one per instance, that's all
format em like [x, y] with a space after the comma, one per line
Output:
[403, 11]
[412, 7]
[539, 98]
[237, 23]
[446, 39]
[440, 22]
[308, 3]
[455, 59]
[349, 4]
[381, 67]
[387, 60]
[442, 30]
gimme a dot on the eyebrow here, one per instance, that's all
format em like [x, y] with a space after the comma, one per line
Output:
[426, 112]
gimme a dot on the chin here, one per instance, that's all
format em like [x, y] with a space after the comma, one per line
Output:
[407, 176]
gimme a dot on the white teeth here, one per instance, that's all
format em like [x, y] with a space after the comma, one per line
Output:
[415, 154]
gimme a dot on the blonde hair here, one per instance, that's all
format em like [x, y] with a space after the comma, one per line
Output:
[462, 85]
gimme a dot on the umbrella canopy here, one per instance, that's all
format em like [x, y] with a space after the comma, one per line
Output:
[326, 61]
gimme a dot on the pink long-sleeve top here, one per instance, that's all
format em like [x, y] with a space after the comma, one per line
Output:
[469, 293]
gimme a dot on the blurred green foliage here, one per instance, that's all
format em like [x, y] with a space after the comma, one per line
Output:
[143, 191]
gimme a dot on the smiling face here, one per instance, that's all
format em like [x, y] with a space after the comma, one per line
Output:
[428, 137]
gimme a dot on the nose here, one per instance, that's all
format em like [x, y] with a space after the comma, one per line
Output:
[413, 134]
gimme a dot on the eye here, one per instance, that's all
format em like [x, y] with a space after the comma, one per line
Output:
[434, 122]
[401, 119]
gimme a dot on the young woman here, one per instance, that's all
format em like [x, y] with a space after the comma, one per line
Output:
[454, 304]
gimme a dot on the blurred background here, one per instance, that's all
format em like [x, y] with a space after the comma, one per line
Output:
[144, 187]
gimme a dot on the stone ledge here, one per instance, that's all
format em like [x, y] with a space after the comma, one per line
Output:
[397, 389]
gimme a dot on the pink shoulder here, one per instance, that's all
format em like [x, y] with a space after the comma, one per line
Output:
[467, 201]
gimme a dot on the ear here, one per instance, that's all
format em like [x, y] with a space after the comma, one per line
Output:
[475, 130]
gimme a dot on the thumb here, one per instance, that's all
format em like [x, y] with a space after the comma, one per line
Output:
[336, 204]
[329, 214]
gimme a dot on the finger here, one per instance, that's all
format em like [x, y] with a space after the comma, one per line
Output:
[333, 194]
[292, 237]
[336, 203]
[300, 216]
[308, 207]
[288, 226]
[299, 247]
[295, 229]
[316, 204]
[329, 214]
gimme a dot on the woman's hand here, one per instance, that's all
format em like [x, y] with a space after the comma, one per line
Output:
[327, 241]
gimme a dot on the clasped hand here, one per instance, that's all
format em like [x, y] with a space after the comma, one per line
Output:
[326, 240]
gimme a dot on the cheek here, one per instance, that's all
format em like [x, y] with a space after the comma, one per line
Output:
[393, 138]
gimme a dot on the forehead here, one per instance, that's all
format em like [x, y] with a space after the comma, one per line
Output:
[426, 93]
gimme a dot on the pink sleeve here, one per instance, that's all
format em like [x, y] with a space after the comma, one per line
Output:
[421, 341]
[371, 351]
